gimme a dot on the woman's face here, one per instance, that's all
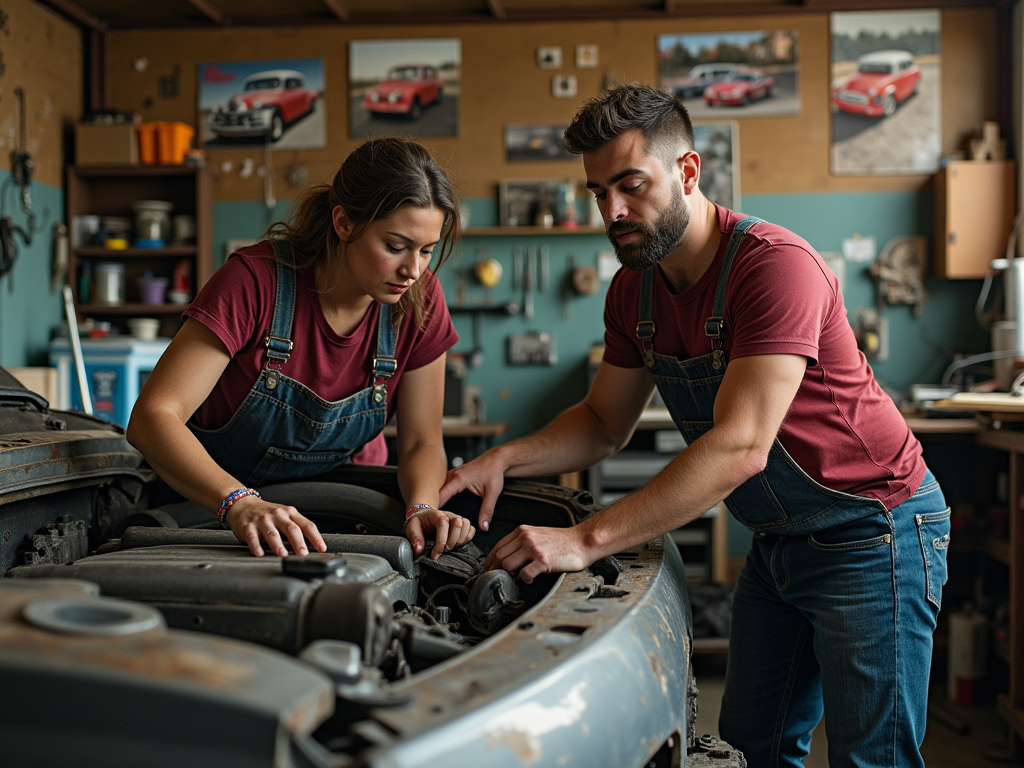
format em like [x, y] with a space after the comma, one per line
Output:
[391, 253]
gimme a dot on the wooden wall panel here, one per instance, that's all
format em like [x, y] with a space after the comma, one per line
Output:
[501, 84]
[41, 53]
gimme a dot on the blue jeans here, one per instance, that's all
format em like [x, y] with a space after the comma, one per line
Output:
[838, 621]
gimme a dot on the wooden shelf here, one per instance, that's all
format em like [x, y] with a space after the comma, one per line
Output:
[99, 252]
[132, 309]
[711, 645]
[119, 171]
[534, 231]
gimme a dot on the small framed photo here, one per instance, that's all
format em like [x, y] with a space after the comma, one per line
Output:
[563, 86]
[586, 56]
[520, 201]
[549, 57]
[532, 142]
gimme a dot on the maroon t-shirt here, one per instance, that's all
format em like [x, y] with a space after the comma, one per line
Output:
[780, 298]
[237, 304]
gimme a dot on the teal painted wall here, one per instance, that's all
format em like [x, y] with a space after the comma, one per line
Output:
[529, 396]
[29, 312]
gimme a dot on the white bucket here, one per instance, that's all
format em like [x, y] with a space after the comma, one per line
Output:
[967, 651]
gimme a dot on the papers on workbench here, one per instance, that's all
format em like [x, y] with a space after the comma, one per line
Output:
[997, 402]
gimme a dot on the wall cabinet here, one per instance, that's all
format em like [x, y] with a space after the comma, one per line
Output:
[975, 203]
[110, 191]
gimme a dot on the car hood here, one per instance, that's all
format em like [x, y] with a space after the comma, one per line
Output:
[865, 81]
[248, 98]
[396, 85]
[729, 85]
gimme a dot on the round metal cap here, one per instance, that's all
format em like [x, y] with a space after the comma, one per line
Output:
[92, 616]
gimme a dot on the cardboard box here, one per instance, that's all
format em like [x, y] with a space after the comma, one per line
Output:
[42, 381]
[106, 144]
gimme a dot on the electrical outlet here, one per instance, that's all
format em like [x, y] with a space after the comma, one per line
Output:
[872, 331]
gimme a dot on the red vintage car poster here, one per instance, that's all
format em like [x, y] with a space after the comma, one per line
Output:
[254, 103]
[885, 92]
[404, 87]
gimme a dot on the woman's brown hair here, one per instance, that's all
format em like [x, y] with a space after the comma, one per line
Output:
[375, 180]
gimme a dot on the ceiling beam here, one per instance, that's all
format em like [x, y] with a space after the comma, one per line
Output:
[680, 9]
[497, 9]
[209, 11]
[75, 12]
[337, 9]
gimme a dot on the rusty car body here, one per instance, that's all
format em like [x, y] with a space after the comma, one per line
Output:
[138, 634]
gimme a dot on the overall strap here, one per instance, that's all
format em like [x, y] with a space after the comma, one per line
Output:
[714, 328]
[645, 325]
[384, 362]
[279, 342]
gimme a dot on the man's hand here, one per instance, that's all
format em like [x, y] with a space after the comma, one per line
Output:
[483, 476]
[252, 519]
[450, 530]
[532, 551]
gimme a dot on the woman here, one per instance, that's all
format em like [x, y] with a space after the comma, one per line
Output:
[300, 348]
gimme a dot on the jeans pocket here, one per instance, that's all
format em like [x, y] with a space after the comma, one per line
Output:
[933, 532]
[863, 533]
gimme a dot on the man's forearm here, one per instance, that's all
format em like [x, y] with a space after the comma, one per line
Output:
[575, 440]
[691, 484]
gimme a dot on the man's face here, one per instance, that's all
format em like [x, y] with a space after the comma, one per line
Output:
[645, 214]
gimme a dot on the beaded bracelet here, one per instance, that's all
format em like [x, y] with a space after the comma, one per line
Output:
[415, 508]
[230, 499]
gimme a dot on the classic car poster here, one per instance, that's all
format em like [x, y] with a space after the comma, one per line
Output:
[404, 87]
[732, 74]
[246, 103]
[718, 147]
[885, 92]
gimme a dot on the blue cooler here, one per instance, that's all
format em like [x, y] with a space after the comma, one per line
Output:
[116, 366]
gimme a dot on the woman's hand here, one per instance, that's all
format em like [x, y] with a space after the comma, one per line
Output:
[450, 530]
[253, 520]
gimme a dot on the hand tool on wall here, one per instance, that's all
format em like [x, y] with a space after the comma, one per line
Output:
[517, 269]
[544, 269]
[531, 266]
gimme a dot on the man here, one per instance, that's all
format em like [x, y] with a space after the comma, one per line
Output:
[742, 329]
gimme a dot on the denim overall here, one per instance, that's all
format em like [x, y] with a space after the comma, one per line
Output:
[283, 430]
[835, 606]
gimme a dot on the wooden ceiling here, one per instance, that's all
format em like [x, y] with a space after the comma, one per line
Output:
[104, 15]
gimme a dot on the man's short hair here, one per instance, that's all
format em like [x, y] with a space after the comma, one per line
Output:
[659, 116]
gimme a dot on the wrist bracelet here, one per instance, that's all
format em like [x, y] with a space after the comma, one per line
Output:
[230, 499]
[416, 508]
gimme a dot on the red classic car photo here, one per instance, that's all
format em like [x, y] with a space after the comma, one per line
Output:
[740, 89]
[406, 89]
[270, 101]
[883, 80]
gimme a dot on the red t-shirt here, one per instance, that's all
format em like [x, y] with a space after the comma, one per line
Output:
[780, 298]
[237, 304]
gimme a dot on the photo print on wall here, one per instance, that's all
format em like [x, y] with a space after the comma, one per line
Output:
[528, 143]
[718, 147]
[404, 87]
[251, 103]
[885, 92]
[742, 74]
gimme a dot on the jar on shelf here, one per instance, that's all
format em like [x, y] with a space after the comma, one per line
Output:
[152, 222]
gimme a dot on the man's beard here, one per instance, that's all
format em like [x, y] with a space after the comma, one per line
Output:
[658, 241]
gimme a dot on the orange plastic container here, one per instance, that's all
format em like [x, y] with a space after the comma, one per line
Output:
[148, 143]
[174, 140]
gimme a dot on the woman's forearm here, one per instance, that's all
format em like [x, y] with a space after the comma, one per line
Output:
[421, 473]
[179, 458]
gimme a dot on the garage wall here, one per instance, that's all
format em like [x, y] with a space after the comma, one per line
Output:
[502, 84]
[41, 53]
